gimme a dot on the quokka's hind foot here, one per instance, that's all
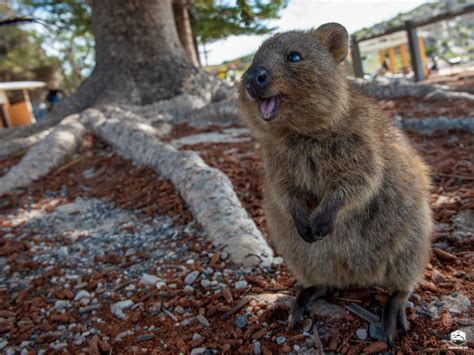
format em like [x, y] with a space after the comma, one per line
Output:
[303, 298]
[394, 314]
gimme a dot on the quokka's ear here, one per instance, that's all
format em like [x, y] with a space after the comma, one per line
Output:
[335, 38]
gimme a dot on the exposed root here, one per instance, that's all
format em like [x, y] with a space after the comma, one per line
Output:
[222, 113]
[167, 109]
[13, 146]
[449, 95]
[385, 90]
[49, 153]
[26, 131]
[162, 127]
[428, 125]
[207, 191]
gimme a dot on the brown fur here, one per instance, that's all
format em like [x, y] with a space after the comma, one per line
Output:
[335, 165]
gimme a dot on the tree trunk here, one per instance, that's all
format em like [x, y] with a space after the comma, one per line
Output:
[196, 49]
[139, 58]
[185, 33]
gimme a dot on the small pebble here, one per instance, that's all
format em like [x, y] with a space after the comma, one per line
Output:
[188, 289]
[205, 283]
[82, 294]
[145, 337]
[160, 284]
[191, 277]
[224, 255]
[280, 340]
[277, 260]
[148, 279]
[241, 321]
[80, 340]
[59, 346]
[187, 321]
[117, 308]
[63, 251]
[361, 333]
[60, 305]
[240, 284]
[197, 336]
[257, 348]
[203, 320]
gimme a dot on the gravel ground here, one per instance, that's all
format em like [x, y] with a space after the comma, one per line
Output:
[102, 256]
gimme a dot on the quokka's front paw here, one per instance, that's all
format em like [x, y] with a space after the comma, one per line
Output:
[321, 225]
[304, 231]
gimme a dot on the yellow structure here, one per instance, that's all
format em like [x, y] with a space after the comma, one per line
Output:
[19, 113]
[404, 56]
[387, 46]
[421, 45]
[392, 65]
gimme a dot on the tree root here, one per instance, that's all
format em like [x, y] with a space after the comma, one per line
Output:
[161, 126]
[429, 125]
[13, 146]
[49, 153]
[167, 109]
[386, 90]
[207, 191]
[222, 113]
[26, 131]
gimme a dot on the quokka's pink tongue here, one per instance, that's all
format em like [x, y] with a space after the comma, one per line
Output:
[267, 107]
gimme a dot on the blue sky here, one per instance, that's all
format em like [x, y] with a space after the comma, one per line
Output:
[304, 14]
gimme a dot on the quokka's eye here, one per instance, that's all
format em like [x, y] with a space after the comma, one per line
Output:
[294, 57]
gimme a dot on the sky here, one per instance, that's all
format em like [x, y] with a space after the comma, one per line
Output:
[304, 14]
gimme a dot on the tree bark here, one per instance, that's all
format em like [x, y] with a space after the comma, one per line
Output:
[139, 58]
[185, 33]
[13, 146]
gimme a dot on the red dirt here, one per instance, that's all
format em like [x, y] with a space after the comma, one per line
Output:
[132, 187]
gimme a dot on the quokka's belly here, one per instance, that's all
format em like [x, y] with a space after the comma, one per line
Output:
[342, 259]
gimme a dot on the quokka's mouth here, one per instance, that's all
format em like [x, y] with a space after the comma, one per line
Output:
[269, 107]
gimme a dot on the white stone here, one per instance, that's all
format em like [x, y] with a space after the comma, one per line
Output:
[61, 304]
[63, 251]
[361, 333]
[117, 308]
[191, 277]
[240, 284]
[203, 320]
[205, 283]
[82, 294]
[148, 279]
[160, 284]
[277, 260]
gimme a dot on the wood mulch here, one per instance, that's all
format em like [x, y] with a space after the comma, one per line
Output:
[97, 172]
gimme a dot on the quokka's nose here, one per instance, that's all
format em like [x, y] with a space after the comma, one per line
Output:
[256, 81]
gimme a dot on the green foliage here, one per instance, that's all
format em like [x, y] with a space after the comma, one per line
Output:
[73, 16]
[68, 31]
[21, 53]
[213, 19]
[68, 34]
